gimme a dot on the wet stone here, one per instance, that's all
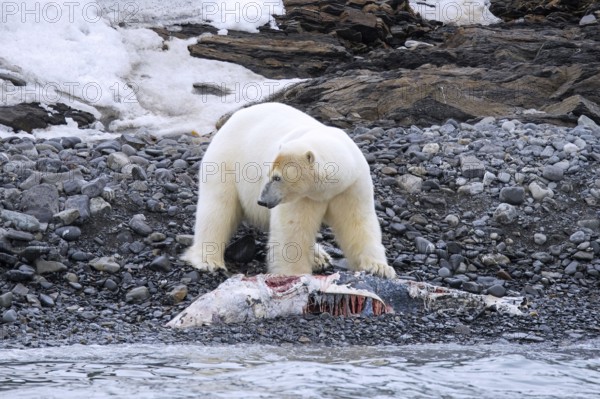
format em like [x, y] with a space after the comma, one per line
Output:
[6, 300]
[20, 275]
[472, 287]
[21, 221]
[19, 235]
[46, 301]
[72, 187]
[138, 224]
[41, 201]
[138, 294]
[512, 195]
[505, 213]
[68, 233]
[9, 316]
[94, 188]
[161, 263]
[577, 238]
[571, 268]
[20, 290]
[553, 172]
[539, 238]
[178, 294]
[105, 264]
[471, 167]
[110, 285]
[497, 290]
[138, 173]
[424, 246]
[444, 272]
[98, 206]
[46, 266]
[583, 255]
[81, 203]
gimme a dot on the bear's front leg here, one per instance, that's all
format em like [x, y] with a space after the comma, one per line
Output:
[293, 231]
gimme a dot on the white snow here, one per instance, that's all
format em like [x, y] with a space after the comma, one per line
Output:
[78, 54]
[245, 15]
[459, 12]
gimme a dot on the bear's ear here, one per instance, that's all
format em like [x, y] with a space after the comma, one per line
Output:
[310, 157]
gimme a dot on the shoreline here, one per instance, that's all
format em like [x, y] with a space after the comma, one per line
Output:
[66, 288]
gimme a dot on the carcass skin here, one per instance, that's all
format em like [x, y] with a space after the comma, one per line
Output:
[266, 296]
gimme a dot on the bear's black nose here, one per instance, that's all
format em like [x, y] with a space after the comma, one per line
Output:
[262, 203]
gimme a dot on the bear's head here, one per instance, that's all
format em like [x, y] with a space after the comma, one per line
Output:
[291, 176]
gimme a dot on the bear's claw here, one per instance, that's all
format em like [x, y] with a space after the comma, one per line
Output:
[378, 269]
[321, 260]
[206, 265]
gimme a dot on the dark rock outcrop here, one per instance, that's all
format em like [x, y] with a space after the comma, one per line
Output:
[368, 64]
[29, 116]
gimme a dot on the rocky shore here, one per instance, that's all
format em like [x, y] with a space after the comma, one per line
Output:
[484, 148]
[91, 234]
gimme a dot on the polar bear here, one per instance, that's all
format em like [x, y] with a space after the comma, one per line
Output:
[283, 171]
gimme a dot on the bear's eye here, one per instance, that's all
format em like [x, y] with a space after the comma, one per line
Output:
[276, 178]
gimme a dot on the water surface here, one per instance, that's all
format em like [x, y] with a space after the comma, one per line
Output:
[189, 371]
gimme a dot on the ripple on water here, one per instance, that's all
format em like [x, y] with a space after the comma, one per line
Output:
[159, 371]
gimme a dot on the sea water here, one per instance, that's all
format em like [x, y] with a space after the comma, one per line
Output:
[192, 371]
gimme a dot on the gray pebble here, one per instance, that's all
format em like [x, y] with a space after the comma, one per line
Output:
[497, 290]
[46, 301]
[94, 188]
[578, 237]
[471, 167]
[161, 263]
[98, 206]
[410, 183]
[138, 294]
[471, 286]
[424, 246]
[138, 224]
[20, 221]
[46, 266]
[9, 316]
[105, 264]
[19, 235]
[68, 233]
[539, 238]
[505, 213]
[41, 201]
[552, 172]
[81, 203]
[512, 195]
[178, 294]
[67, 216]
[444, 272]
[110, 284]
[6, 300]
[571, 268]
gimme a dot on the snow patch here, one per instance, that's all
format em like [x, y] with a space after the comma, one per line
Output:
[459, 12]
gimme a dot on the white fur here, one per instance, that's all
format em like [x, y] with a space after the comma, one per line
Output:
[229, 188]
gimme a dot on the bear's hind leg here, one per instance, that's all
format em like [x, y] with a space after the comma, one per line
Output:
[358, 233]
[218, 215]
